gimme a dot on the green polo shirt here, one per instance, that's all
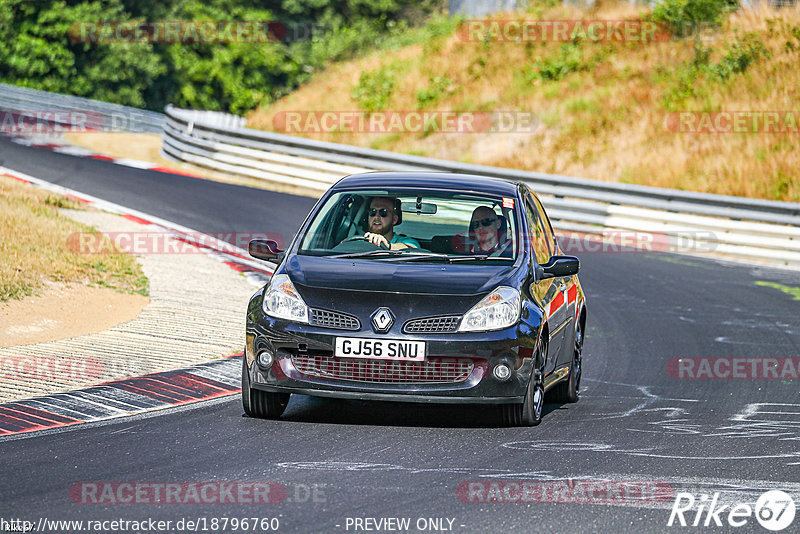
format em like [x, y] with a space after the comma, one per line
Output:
[410, 241]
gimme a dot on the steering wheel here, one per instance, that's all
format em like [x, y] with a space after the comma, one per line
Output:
[362, 238]
[501, 249]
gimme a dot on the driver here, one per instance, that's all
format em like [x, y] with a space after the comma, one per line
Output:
[381, 218]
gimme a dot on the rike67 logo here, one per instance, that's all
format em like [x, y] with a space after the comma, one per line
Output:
[774, 510]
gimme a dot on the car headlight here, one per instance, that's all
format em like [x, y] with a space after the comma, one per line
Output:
[499, 309]
[282, 301]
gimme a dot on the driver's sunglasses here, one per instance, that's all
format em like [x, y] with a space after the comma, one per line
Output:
[383, 212]
[483, 222]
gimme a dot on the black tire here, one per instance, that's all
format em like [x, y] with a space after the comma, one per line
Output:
[261, 404]
[529, 413]
[569, 390]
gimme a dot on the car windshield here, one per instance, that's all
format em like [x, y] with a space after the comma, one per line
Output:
[419, 226]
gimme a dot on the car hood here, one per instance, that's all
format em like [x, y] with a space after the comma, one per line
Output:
[396, 277]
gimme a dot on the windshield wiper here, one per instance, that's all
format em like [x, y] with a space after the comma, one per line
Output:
[450, 258]
[413, 256]
[479, 257]
[405, 255]
[367, 254]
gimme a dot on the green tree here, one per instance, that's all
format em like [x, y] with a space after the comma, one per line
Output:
[229, 76]
[36, 51]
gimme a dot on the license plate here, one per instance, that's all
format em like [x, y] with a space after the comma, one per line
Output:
[381, 349]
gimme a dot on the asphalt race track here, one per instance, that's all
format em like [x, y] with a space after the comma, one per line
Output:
[207, 206]
[635, 424]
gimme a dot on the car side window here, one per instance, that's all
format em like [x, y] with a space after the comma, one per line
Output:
[548, 228]
[537, 235]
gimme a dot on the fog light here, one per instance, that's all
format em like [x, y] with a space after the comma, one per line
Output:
[502, 372]
[265, 359]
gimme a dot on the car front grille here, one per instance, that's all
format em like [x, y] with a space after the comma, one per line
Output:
[433, 370]
[332, 319]
[432, 325]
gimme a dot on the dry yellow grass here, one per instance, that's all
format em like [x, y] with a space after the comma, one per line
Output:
[34, 247]
[141, 146]
[607, 122]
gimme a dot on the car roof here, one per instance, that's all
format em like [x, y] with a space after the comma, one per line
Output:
[429, 180]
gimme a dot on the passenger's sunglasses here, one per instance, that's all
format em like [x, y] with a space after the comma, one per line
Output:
[383, 212]
[483, 222]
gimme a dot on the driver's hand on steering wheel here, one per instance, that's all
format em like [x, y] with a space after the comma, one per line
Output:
[377, 239]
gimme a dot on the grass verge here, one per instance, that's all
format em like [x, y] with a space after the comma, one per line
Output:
[33, 247]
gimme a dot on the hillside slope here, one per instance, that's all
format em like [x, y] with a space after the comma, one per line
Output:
[607, 110]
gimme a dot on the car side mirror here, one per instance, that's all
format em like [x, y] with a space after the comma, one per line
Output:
[558, 266]
[265, 249]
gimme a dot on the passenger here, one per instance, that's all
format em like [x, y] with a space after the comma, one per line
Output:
[382, 216]
[486, 232]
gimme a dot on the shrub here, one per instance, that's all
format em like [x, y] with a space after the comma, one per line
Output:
[743, 52]
[740, 55]
[431, 94]
[686, 17]
[374, 89]
[556, 67]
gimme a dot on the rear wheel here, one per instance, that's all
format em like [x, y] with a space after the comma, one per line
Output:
[261, 404]
[568, 390]
[529, 413]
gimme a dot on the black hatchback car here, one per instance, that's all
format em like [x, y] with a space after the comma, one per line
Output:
[418, 287]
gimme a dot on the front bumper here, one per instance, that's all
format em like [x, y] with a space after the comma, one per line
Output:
[392, 397]
[289, 342]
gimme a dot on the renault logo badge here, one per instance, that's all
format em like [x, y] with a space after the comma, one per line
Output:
[382, 320]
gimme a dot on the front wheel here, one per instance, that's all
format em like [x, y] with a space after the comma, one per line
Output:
[529, 413]
[261, 404]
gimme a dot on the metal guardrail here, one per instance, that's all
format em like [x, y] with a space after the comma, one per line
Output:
[734, 226]
[88, 113]
[217, 119]
[742, 227]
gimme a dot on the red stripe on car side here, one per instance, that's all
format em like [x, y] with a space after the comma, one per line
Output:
[572, 294]
[557, 302]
